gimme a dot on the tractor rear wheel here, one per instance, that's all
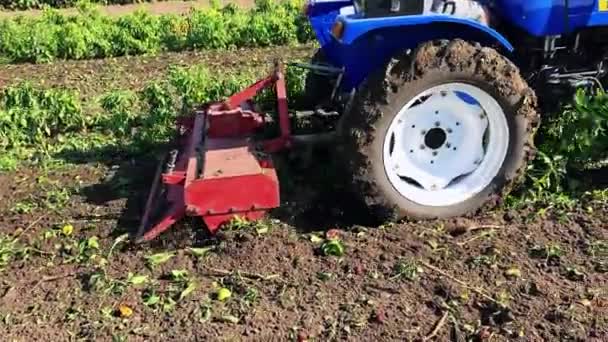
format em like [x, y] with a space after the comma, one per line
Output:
[442, 131]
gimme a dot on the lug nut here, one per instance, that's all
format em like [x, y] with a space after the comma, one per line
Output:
[435, 153]
[448, 145]
[449, 130]
[423, 132]
[457, 123]
[444, 93]
[422, 147]
[437, 123]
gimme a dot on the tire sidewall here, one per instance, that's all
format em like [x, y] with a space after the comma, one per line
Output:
[514, 159]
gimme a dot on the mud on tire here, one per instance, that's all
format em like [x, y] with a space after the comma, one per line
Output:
[384, 93]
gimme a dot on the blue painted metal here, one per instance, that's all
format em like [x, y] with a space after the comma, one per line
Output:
[369, 43]
[550, 17]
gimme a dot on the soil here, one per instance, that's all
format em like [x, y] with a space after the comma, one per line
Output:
[163, 7]
[95, 77]
[460, 268]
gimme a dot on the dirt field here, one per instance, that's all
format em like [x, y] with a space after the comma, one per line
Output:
[503, 276]
[532, 274]
[95, 77]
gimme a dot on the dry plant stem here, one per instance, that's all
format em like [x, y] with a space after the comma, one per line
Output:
[474, 228]
[438, 327]
[30, 226]
[460, 282]
[53, 278]
[256, 276]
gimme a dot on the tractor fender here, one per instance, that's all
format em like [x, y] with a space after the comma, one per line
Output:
[367, 44]
[436, 26]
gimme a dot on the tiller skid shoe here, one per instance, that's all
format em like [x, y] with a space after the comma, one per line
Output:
[218, 171]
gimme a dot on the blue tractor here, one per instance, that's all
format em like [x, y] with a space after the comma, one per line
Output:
[439, 109]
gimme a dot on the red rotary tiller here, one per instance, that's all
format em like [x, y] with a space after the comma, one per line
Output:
[218, 171]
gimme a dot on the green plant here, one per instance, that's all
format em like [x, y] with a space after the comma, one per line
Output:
[159, 258]
[29, 115]
[549, 252]
[119, 106]
[9, 249]
[407, 269]
[333, 247]
[88, 34]
[81, 251]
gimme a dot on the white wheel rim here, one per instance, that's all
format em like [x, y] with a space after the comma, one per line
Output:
[440, 150]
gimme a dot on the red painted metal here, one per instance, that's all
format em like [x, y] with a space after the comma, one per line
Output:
[232, 123]
[219, 172]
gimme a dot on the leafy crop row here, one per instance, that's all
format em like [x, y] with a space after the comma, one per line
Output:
[90, 34]
[569, 142]
[39, 4]
[42, 119]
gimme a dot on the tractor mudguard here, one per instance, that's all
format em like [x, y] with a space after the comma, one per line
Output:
[368, 43]
[437, 25]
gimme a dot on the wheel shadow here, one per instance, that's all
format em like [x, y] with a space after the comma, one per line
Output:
[314, 195]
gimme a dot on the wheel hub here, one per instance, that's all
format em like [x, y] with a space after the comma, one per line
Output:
[435, 138]
[438, 140]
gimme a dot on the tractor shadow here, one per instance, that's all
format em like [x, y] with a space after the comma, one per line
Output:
[128, 177]
[314, 196]
[311, 195]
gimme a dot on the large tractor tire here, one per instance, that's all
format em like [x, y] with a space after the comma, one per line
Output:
[442, 131]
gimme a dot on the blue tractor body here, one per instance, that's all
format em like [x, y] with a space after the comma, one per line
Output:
[438, 108]
[367, 43]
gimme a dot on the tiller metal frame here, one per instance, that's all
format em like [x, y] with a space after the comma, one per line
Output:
[219, 172]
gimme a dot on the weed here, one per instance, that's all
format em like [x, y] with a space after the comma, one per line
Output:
[407, 269]
[333, 247]
[550, 252]
[24, 207]
[80, 251]
[574, 274]
[201, 251]
[251, 296]
[159, 258]
[598, 249]
[239, 223]
[9, 249]
[489, 258]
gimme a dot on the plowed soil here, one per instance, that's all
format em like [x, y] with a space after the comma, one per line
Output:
[505, 276]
